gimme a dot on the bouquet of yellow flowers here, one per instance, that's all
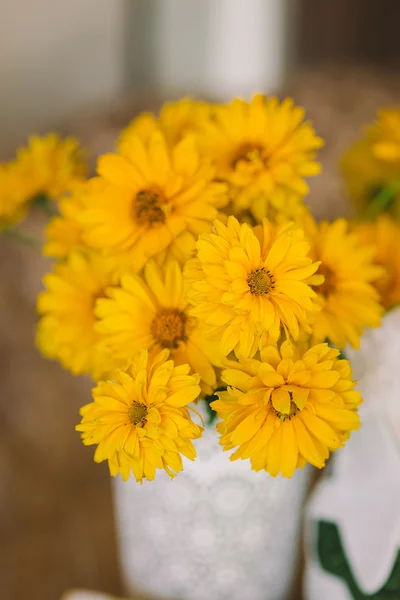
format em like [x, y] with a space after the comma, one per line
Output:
[189, 271]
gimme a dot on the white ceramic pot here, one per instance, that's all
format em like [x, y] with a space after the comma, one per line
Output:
[353, 518]
[217, 531]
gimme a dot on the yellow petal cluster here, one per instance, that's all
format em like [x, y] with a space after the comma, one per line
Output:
[287, 408]
[12, 199]
[190, 263]
[386, 136]
[139, 421]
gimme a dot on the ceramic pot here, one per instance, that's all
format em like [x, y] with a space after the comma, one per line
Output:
[218, 530]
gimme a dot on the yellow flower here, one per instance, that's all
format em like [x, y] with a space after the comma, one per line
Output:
[150, 194]
[50, 166]
[152, 312]
[372, 163]
[288, 408]
[384, 236]
[348, 299]
[176, 119]
[140, 420]
[366, 176]
[247, 284]
[66, 330]
[263, 150]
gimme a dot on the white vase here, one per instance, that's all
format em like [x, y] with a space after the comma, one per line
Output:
[216, 49]
[353, 518]
[217, 531]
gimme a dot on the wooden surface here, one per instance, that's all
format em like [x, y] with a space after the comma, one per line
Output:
[56, 520]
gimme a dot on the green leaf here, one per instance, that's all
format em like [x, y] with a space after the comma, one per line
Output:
[333, 559]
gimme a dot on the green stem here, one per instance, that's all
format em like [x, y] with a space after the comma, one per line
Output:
[382, 200]
[20, 236]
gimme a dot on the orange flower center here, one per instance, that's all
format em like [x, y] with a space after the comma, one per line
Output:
[138, 413]
[168, 327]
[260, 282]
[329, 285]
[147, 208]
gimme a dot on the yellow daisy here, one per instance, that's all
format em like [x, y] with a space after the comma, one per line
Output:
[152, 312]
[288, 408]
[140, 421]
[262, 149]
[50, 166]
[150, 195]
[384, 236]
[176, 119]
[348, 298]
[247, 284]
[66, 330]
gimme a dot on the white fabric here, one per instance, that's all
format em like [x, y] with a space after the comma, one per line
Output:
[316, 580]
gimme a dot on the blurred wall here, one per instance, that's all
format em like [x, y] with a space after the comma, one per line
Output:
[348, 31]
[55, 57]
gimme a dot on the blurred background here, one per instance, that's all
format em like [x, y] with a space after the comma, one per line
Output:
[87, 67]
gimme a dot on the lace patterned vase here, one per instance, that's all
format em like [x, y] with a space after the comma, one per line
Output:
[353, 518]
[217, 531]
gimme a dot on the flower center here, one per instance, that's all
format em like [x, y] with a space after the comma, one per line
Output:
[294, 409]
[138, 413]
[329, 285]
[248, 153]
[147, 209]
[168, 327]
[283, 416]
[260, 282]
